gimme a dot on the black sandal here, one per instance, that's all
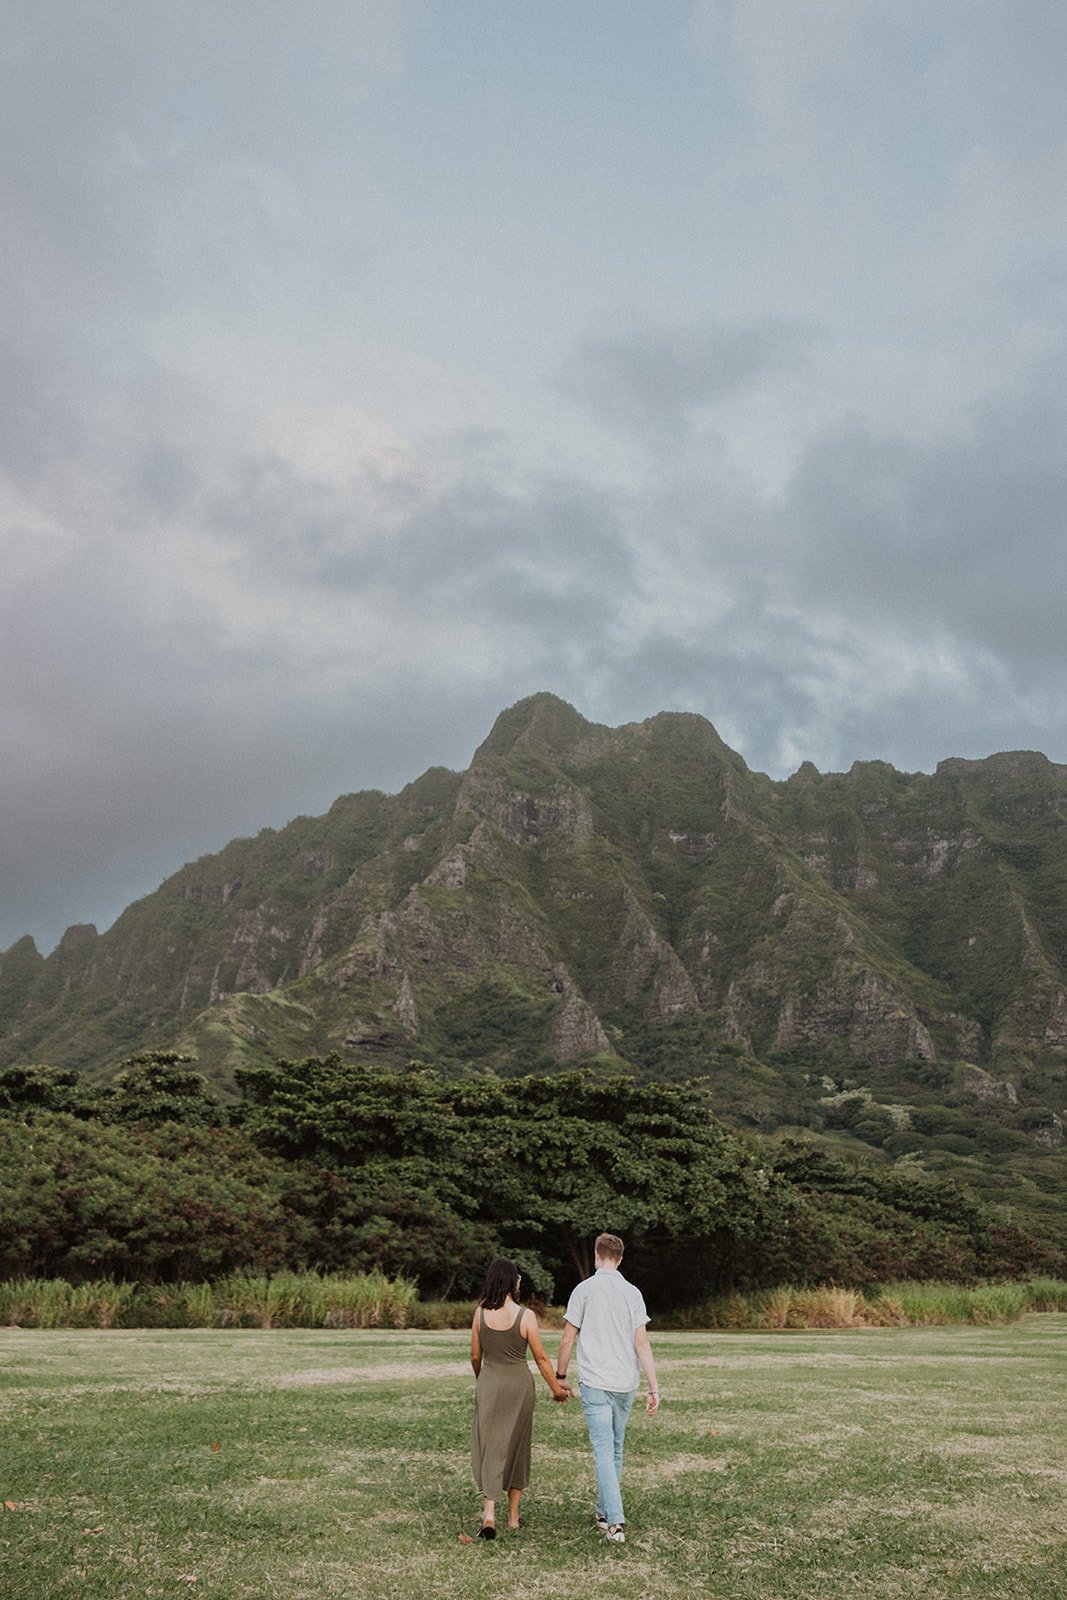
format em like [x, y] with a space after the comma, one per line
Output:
[487, 1531]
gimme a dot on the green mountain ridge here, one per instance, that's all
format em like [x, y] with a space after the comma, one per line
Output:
[585, 891]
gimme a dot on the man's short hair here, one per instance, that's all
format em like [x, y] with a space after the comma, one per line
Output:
[610, 1245]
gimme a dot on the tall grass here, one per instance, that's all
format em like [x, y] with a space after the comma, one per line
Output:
[52, 1303]
[242, 1300]
[372, 1300]
[894, 1305]
[930, 1304]
[1047, 1294]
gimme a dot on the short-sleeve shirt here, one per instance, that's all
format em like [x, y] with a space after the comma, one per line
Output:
[607, 1311]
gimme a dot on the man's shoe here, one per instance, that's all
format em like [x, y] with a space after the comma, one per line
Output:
[602, 1522]
[616, 1533]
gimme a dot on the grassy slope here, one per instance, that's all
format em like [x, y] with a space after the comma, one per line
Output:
[296, 1465]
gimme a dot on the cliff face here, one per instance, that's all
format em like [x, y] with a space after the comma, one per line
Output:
[580, 884]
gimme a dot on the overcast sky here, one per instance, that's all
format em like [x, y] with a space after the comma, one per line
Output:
[370, 364]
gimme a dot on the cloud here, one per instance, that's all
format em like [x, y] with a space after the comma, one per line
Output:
[201, 640]
[651, 380]
[962, 537]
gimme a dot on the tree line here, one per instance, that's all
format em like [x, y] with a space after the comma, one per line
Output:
[330, 1165]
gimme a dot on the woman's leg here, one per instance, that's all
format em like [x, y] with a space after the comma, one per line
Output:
[488, 1512]
[514, 1496]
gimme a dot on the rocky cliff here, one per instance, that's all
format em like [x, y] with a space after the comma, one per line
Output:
[580, 886]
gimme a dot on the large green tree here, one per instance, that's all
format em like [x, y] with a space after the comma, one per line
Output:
[546, 1162]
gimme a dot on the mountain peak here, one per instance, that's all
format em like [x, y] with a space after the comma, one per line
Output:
[805, 775]
[1013, 763]
[542, 722]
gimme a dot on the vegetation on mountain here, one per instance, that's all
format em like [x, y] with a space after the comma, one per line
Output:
[873, 963]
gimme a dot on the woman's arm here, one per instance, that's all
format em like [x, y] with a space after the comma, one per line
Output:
[560, 1391]
[476, 1345]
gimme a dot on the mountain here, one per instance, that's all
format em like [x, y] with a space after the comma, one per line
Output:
[585, 891]
[874, 961]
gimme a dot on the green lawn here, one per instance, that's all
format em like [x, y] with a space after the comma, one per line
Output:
[915, 1462]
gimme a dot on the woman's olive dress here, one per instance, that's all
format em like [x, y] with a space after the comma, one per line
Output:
[503, 1411]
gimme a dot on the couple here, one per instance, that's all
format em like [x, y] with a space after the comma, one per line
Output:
[607, 1316]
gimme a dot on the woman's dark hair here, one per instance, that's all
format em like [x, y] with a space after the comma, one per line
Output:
[501, 1280]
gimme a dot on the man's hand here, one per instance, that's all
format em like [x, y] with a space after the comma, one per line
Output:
[652, 1402]
[561, 1399]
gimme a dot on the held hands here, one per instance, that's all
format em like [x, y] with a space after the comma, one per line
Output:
[563, 1395]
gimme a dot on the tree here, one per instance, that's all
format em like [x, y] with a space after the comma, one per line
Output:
[157, 1086]
[544, 1162]
[24, 1091]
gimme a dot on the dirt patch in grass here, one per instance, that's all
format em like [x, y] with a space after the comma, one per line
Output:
[675, 1466]
[309, 1377]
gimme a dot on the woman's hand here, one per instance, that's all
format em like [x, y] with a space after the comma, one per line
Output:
[561, 1392]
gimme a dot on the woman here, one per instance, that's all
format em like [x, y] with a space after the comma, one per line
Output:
[504, 1393]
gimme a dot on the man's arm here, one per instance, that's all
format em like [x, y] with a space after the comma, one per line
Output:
[648, 1367]
[566, 1345]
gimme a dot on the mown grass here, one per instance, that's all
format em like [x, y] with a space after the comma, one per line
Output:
[783, 1466]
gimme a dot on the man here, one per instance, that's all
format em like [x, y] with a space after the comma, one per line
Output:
[607, 1315]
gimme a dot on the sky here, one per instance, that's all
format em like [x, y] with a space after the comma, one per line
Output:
[367, 365]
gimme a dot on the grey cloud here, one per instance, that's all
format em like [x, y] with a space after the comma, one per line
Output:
[163, 161]
[781, 691]
[900, 601]
[537, 555]
[175, 734]
[650, 380]
[964, 536]
[178, 724]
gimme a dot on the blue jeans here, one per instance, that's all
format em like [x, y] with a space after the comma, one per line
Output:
[607, 1411]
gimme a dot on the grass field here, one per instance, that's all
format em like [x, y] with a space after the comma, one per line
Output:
[241, 1464]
